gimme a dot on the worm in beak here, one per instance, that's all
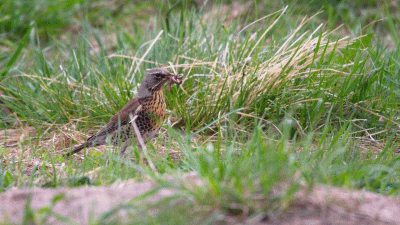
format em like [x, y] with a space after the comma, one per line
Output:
[174, 79]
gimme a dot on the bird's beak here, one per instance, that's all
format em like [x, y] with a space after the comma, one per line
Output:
[174, 78]
[169, 76]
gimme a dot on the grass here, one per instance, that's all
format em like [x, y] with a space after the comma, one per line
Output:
[281, 100]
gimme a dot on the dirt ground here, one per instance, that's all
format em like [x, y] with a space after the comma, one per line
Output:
[321, 205]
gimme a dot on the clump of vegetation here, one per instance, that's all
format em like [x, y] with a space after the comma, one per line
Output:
[270, 101]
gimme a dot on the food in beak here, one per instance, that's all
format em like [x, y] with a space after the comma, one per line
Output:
[174, 79]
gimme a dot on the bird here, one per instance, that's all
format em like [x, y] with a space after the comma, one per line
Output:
[147, 110]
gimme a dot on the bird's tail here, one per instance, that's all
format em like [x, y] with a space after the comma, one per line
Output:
[75, 150]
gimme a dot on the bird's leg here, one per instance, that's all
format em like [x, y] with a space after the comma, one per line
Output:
[135, 128]
[141, 142]
[123, 148]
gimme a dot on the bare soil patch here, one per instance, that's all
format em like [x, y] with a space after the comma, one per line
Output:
[320, 205]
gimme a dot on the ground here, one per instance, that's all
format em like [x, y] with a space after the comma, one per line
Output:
[316, 205]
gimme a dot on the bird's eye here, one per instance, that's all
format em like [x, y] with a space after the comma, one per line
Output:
[158, 76]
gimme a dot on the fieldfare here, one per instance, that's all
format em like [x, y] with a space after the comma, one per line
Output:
[146, 111]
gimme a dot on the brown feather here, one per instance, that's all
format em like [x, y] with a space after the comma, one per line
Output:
[118, 120]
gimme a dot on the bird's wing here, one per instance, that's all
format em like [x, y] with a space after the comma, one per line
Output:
[118, 120]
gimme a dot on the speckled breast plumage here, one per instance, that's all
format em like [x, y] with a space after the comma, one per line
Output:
[149, 118]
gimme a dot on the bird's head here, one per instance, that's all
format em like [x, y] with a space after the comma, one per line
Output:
[155, 79]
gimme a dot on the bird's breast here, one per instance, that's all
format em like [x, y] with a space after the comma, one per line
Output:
[153, 112]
